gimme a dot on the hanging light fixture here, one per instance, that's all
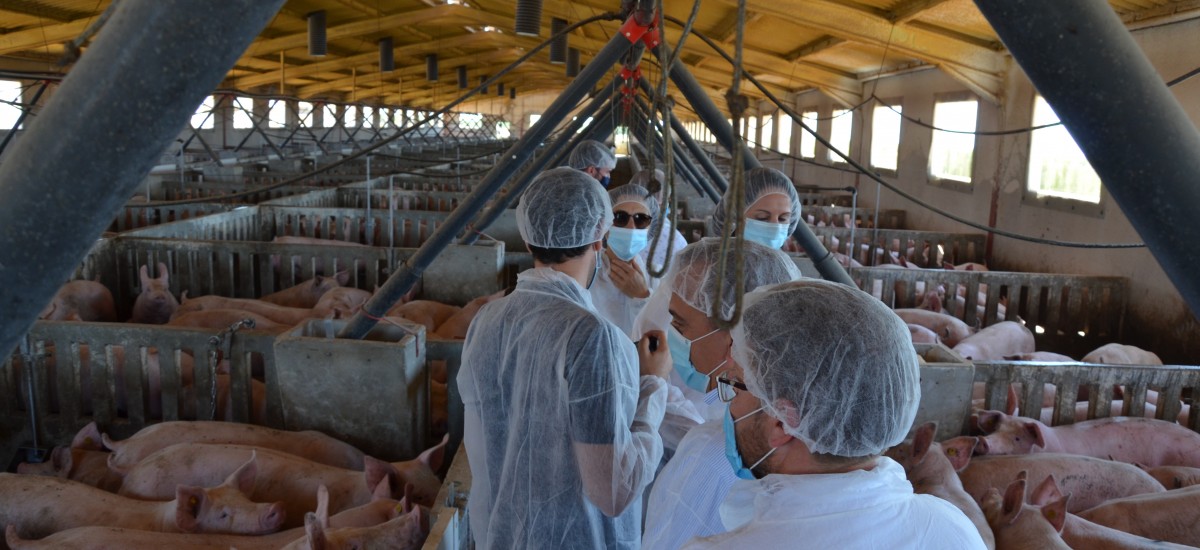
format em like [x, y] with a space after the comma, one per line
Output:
[431, 73]
[572, 62]
[387, 62]
[500, 89]
[462, 77]
[558, 45]
[316, 33]
[483, 79]
[529, 18]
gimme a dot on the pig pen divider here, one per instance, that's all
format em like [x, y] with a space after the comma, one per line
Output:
[133, 216]
[863, 217]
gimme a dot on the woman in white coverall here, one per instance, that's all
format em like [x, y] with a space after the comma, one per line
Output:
[772, 209]
[661, 228]
[623, 284]
[560, 429]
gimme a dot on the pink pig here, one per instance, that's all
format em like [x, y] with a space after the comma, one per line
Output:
[1091, 481]
[1125, 439]
[308, 292]
[1081, 533]
[996, 341]
[155, 304]
[83, 301]
[1019, 526]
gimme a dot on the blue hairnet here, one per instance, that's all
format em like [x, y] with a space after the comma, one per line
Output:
[563, 208]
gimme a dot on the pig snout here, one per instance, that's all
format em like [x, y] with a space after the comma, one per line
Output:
[981, 445]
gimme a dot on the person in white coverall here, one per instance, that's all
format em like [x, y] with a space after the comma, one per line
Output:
[829, 380]
[561, 409]
[623, 284]
[594, 158]
[661, 228]
[772, 209]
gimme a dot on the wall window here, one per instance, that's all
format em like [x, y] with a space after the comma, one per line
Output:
[503, 130]
[751, 134]
[330, 118]
[202, 120]
[839, 137]
[241, 117]
[768, 128]
[305, 110]
[951, 154]
[350, 120]
[808, 144]
[277, 116]
[368, 114]
[885, 136]
[10, 93]
[1057, 168]
[785, 134]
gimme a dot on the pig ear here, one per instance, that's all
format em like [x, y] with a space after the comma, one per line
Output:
[959, 451]
[316, 280]
[1045, 492]
[1035, 431]
[144, 276]
[246, 476]
[1014, 498]
[922, 440]
[1010, 406]
[989, 420]
[342, 277]
[322, 505]
[434, 455]
[382, 491]
[183, 297]
[11, 537]
[162, 272]
[1056, 512]
[420, 518]
[89, 438]
[63, 459]
[188, 502]
[315, 532]
[377, 471]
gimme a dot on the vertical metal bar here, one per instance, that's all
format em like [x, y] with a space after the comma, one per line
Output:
[156, 60]
[404, 278]
[1131, 128]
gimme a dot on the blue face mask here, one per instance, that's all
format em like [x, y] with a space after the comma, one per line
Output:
[731, 451]
[627, 243]
[681, 358]
[770, 235]
[605, 181]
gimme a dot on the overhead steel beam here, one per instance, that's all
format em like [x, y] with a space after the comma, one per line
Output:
[132, 92]
[710, 168]
[1133, 131]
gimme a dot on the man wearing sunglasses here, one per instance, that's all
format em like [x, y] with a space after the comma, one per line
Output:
[593, 157]
[829, 380]
[622, 283]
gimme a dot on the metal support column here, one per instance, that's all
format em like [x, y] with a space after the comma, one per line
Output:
[654, 149]
[102, 131]
[710, 168]
[702, 185]
[1133, 131]
[549, 157]
[408, 273]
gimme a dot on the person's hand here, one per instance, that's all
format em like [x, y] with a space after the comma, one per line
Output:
[657, 362]
[626, 276]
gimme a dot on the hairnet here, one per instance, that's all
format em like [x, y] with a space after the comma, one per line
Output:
[694, 272]
[759, 183]
[652, 180]
[631, 192]
[591, 153]
[832, 363]
[563, 208]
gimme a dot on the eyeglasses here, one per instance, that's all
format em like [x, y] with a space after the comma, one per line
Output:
[727, 388]
[621, 219]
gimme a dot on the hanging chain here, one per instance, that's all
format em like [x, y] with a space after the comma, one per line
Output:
[221, 345]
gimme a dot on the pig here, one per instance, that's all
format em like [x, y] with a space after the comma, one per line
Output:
[221, 319]
[1090, 481]
[949, 329]
[1081, 533]
[922, 335]
[340, 303]
[930, 467]
[425, 312]
[40, 505]
[286, 477]
[308, 292]
[81, 300]
[1124, 439]
[82, 465]
[1040, 356]
[155, 303]
[969, 266]
[404, 532]
[224, 408]
[379, 510]
[313, 445]
[995, 341]
[1120, 354]
[455, 327]
[286, 316]
[1116, 408]
[1019, 526]
[1172, 516]
[1173, 477]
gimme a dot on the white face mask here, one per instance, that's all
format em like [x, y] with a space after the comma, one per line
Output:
[627, 243]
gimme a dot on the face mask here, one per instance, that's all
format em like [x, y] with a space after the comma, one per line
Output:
[595, 271]
[731, 450]
[627, 243]
[605, 180]
[681, 358]
[770, 235]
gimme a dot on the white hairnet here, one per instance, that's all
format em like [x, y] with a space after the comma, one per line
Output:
[591, 153]
[694, 271]
[832, 363]
[631, 192]
[644, 177]
[563, 208]
[759, 183]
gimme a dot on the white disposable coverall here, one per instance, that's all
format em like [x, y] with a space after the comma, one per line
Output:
[561, 435]
[686, 499]
[666, 231]
[614, 305]
[860, 509]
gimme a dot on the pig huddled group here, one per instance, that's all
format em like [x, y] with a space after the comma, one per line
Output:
[1099, 484]
[217, 485]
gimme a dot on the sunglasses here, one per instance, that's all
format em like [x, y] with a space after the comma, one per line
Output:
[621, 219]
[727, 388]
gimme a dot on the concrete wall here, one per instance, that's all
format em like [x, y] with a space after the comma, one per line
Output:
[1157, 317]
